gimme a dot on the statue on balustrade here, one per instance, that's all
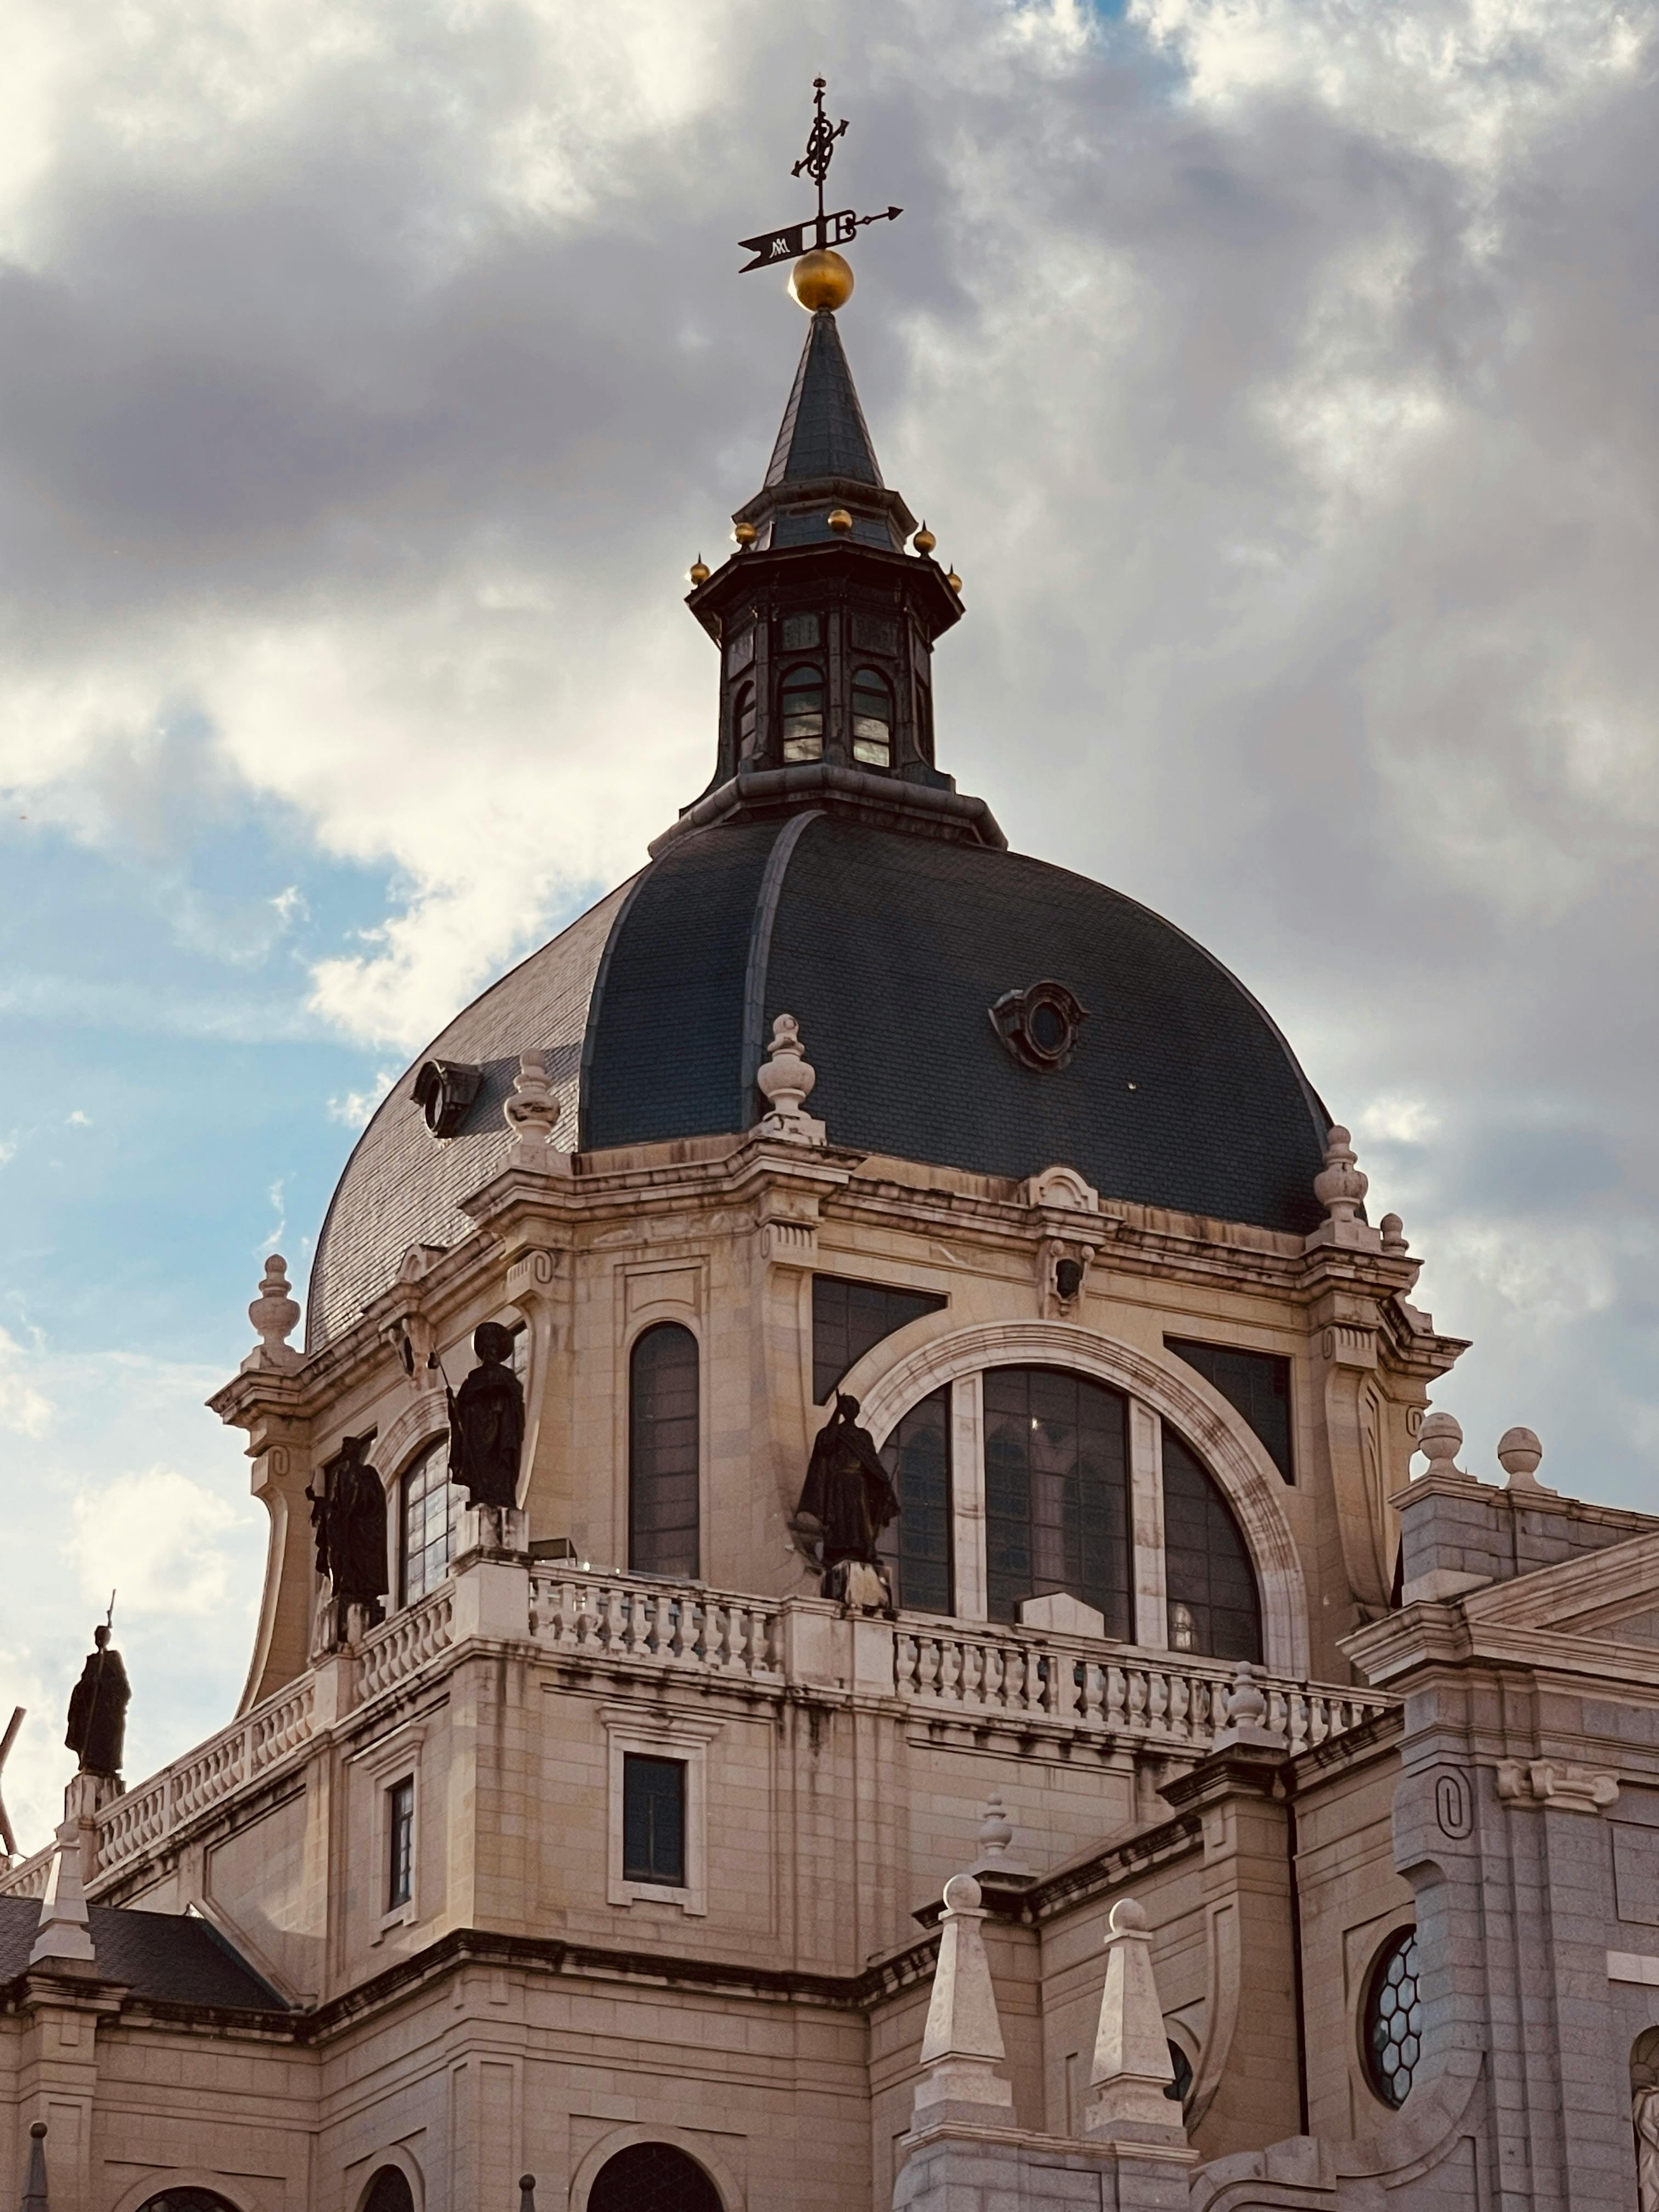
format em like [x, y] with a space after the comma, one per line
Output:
[97, 1709]
[486, 1423]
[348, 1515]
[846, 1503]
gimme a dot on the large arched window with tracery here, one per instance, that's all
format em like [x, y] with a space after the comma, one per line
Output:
[663, 1452]
[1056, 1492]
[652, 2177]
[1214, 1604]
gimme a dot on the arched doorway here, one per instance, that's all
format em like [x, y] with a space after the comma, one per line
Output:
[389, 2191]
[652, 2177]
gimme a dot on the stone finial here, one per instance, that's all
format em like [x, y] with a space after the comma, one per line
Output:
[1519, 1454]
[34, 2186]
[961, 2044]
[63, 1931]
[1247, 1715]
[1440, 1439]
[996, 1832]
[528, 2181]
[274, 1313]
[1394, 1241]
[785, 1079]
[532, 1112]
[1340, 1186]
[1132, 2069]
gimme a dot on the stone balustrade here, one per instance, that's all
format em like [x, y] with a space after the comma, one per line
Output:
[665, 1631]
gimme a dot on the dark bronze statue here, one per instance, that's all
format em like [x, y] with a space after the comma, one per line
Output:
[97, 1709]
[486, 1423]
[349, 1517]
[847, 1499]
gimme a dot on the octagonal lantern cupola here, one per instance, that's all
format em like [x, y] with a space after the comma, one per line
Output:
[825, 624]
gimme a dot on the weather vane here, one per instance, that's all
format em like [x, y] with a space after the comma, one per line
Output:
[822, 231]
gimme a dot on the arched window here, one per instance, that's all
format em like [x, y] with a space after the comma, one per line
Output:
[390, 2191]
[917, 1546]
[801, 701]
[652, 2177]
[742, 720]
[873, 719]
[662, 1452]
[190, 2200]
[1391, 2032]
[1056, 1492]
[1214, 1607]
[428, 1517]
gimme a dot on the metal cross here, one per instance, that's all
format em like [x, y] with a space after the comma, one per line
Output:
[840, 228]
[7, 1837]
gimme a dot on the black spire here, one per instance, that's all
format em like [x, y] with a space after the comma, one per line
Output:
[823, 433]
[826, 620]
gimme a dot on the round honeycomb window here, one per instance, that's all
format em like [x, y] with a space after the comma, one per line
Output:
[1394, 2019]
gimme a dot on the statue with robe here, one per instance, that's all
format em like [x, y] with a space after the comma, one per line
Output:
[97, 1709]
[348, 1515]
[847, 1501]
[486, 1423]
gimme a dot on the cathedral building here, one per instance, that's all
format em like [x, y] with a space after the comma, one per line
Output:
[848, 1620]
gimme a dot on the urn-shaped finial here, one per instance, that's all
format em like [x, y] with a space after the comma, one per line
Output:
[1340, 1186]
[785, 1079]
[274, 1313]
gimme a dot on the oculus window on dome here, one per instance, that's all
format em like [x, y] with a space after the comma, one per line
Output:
[444, 1090]
[1040, 1024]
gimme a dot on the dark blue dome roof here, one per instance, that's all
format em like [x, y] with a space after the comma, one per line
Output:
[891, 950]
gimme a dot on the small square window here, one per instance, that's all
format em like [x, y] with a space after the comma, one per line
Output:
[400, 1843]
[654, 1821]
[799, 631]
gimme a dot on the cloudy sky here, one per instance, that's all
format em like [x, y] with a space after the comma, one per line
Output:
[1280, 374]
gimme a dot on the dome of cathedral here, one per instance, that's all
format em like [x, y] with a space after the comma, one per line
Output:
[892, 951]
[963, 1005]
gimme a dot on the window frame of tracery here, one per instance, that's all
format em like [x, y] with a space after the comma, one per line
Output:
[1225, 1449]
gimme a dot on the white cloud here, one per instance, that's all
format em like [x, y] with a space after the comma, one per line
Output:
[355, 1109]
[8, 1151]
[77, 1119]
[1396, 1120]
[24, 1409]
[153, 1537]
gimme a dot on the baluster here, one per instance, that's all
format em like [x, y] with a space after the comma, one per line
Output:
[1181, 1706]
[928, 1665]
[904, 1665]
[1135, 1715]
[737, 1639]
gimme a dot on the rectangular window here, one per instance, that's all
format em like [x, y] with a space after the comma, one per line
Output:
[799, 631]
[430, 1523]
[654, 1821]
[877, 632]
[849, 1318]
[400, 1843]
[1256, 1384]
[917, 1546]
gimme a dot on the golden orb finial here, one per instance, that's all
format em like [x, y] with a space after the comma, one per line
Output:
[745, 534]
[839, 520]
[955, 582]
[822, 278]
[698, 571]
[924, 541]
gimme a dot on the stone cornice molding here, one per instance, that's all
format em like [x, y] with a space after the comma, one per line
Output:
[887, 1387]
[1579, 1595]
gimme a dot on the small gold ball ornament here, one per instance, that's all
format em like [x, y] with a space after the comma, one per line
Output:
[821, 279]
[954, 582]
[839, 520]
[698, 571]
[924, 541]
[745, 534]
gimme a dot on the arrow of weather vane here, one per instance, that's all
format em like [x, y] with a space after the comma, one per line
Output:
[821, 230]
